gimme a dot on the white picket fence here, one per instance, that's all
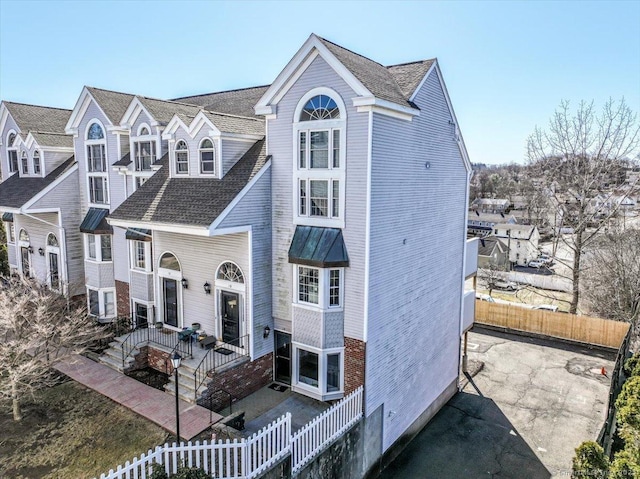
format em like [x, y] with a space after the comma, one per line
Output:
[247, 458]
[325, 428]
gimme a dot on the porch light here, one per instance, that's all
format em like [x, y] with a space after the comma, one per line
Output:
[265, 333]
[30, 248]
[207, 287]
[185, 283]
[176, 359]
[41, 251]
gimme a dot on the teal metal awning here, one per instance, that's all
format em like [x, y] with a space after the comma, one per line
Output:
[138, 234]
[320, 247]
[7, 217]
[95, 222]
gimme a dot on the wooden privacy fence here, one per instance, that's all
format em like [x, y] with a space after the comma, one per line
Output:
[585, 329]
[250, 457]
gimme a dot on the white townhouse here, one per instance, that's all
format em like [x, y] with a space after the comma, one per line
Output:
[294, 223]
[520, 241]
[39, 196]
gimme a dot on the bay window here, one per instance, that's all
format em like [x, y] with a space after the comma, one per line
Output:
[101, 302]
[320, 287]
[98, 247]
[317, 372]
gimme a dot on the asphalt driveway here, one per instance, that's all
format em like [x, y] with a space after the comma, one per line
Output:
[522, 416]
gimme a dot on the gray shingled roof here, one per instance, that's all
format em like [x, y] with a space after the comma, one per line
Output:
[409, 75]
[486, 246]
[236, 124]
[15, 191]
[53, 139]
[38, 118]
[124, 161]
[113, 103]
[375, 77]
[234, 102]
[189, 201]
[163, 110]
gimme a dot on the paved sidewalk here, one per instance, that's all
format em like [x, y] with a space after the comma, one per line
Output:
[157, 406]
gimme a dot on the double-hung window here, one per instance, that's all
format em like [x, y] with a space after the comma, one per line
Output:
[320, 287]
[319, 179]
[12, 153]
[181, 154]
[98, 247]
[36, 163]
[25, 163]
[140, 253]
[144, 149]
[207, 157]
[97, 165]
[101, 303]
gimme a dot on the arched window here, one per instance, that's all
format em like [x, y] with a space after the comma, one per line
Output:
[207, 157]
[25, 163]
[169, 261]
[12, 153]
[25, 253]
[143, 131]
[52, 241]
[319, 178]
[95, 132]
[24, 236]
[182, 158]
[320, 107]
[36, 163]
[230, 272]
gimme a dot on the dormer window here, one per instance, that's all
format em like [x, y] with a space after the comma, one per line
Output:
[25, 163]
[182, 158]
[12, 153]
[97, 165]
[144, 150]
[207, 157]
[320, 150]
[36, 163]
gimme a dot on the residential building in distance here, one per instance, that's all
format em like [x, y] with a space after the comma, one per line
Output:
[481, 224]
[271, 220]
[491, 205]
[521, 242]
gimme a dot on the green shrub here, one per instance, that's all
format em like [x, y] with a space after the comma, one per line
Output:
[631, 366]
[183, 472]
[628, 403]
[590, 461]
[625, 465]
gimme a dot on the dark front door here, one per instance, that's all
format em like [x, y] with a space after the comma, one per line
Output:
[170, 289]
[25, 261]
[54, 274]
[283, 357]
[230, 312]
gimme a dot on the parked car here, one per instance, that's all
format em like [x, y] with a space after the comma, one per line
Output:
[546, 259]
[508, 285]
[485, 297]
[535, 264]
[546, 307]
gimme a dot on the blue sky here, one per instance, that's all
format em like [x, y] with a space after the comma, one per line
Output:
[507, 65]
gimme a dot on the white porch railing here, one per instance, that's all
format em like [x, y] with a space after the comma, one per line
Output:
[248, 458]
[328, 426]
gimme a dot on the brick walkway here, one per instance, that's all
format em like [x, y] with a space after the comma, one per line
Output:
[157, 406]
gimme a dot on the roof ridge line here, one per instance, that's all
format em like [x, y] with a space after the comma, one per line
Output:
[110, 91]
[411, 63]
[350, 51]
[37, 106]
[223, 91]
[232, 115]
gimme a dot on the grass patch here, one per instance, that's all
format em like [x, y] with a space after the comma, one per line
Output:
[69, 431]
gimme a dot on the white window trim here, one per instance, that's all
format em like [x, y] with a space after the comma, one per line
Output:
[319, 392]
[240, 289]
[40, 163]
[150, 310]
[215, 157]
[138, 138]
[174, 162]
[98, 246]
[12, 148]
[324, 279]
[24, 155]
[102, 303]
[10, 231]
[147, 257]
[24, 244]
[96, 174]
[327, 174]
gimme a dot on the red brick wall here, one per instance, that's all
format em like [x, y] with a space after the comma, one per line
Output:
[159, 360]
[122, 299]
[354, 354]
[241, 381]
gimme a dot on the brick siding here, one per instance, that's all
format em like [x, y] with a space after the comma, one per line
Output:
[122, 299]
[354, 354]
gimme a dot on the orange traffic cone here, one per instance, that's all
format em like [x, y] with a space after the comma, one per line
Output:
[603, 371]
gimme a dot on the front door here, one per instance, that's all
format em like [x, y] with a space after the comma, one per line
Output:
[54, 274]
[24, 252]
[170, 290]
[230, 313]
[283, 357]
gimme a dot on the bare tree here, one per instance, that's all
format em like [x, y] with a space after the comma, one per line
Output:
[490, 276]
[37, 330]
[580, 160]
[612, 276]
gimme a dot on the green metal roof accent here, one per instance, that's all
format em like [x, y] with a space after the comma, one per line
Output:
[7, 217]
[95, 222]
[320, 247]
[138, 234]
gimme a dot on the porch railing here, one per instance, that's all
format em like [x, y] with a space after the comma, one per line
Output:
[169, 340]
[216, 357]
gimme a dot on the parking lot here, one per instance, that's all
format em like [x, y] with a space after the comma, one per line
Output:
[521, 416]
